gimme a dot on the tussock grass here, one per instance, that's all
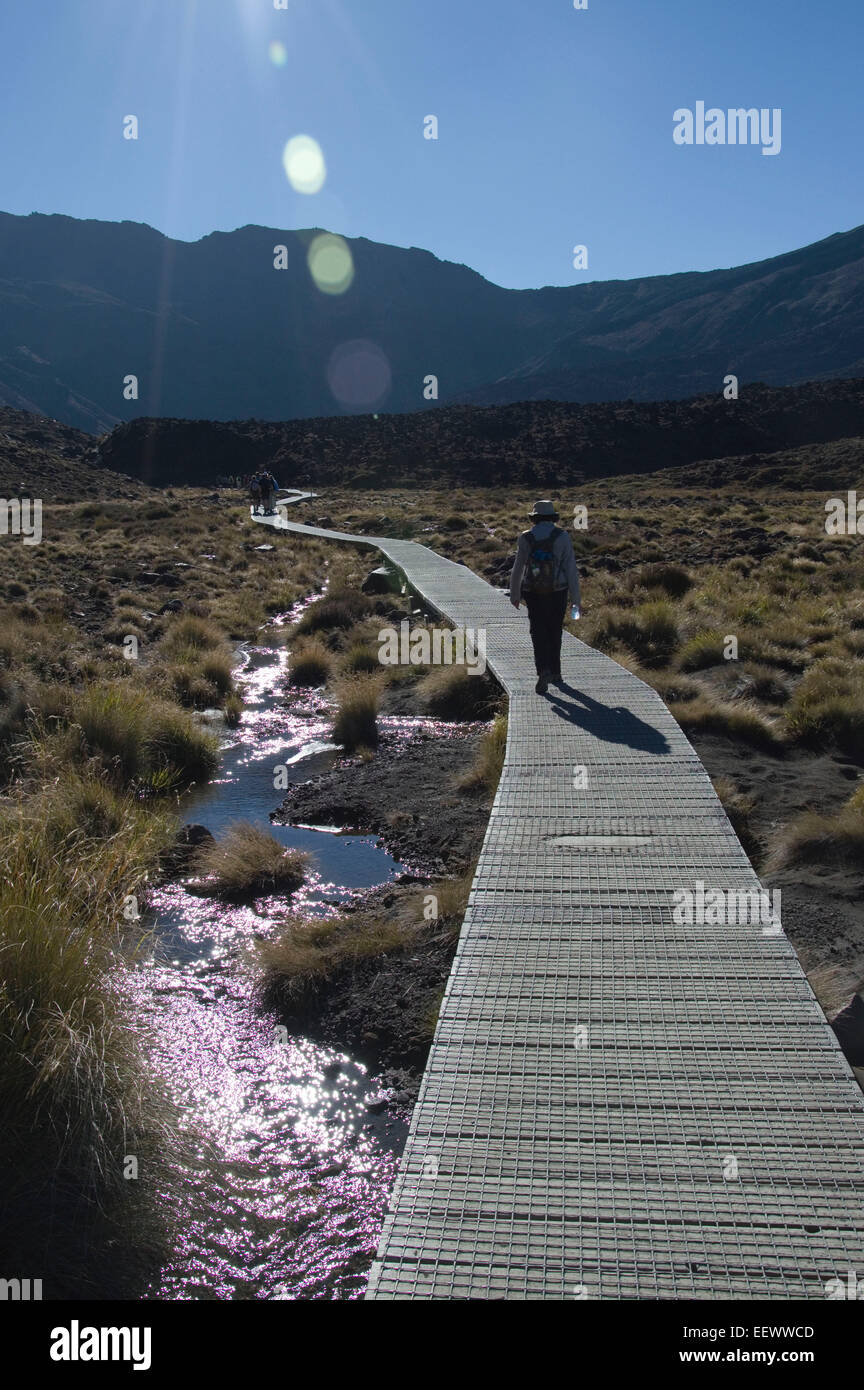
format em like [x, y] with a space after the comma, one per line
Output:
[739, 721]
[739, 808]
[246, 863]
[132, 735]
[817, 839]
[451, 692]
[702, 650]
[311, 664]
[674, 580]
[356, 722]
[827, 707]
[308, 953]
[341, 608]
[361, 659]
[73, 1091]
[649, 631]
[485, 772]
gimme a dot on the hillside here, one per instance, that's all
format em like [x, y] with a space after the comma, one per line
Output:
[213, 331]
[41, 458]
[532, 443]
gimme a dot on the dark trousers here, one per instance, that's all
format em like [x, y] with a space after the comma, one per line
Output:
[546, 616]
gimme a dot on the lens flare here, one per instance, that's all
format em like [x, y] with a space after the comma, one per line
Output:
[359, 373]
[278, 53]
[304, 165]
[330, 263]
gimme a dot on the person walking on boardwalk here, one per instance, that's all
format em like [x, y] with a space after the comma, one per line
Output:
[543, 573]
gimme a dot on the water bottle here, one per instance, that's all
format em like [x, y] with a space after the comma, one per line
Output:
[575, 612]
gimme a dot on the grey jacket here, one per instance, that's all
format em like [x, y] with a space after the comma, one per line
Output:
[566, 569]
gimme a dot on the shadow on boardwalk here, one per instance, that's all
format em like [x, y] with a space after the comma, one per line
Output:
[612, 723]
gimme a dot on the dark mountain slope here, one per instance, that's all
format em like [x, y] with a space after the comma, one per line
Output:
[213, 331]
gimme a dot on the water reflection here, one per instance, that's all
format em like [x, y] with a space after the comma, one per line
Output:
[299, 1145]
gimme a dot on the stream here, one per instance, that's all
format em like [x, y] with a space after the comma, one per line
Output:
[295, 1148]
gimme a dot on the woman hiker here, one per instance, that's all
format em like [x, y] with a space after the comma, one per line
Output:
[544, 571]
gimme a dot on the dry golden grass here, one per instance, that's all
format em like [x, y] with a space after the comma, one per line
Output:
[245, 863]
[485, 772]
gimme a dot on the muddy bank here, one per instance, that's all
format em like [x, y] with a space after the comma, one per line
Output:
[382, 1008]
[407, 795]
[821, 905]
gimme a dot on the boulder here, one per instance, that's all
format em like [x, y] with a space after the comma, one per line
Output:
[378, 581]
[849, 1027]
[151, 577]
[189, 839]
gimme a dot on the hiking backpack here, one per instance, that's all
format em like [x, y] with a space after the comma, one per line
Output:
[540, 570]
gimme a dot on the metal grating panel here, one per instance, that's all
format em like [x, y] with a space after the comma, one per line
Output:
[617, 1104]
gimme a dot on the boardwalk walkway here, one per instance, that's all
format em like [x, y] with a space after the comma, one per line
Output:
[616, 1105]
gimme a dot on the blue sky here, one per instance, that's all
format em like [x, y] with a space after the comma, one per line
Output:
[555, 125]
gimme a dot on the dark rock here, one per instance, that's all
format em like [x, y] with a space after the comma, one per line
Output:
[190, 838]
[174, 605]
[378, 581]
[849, 1027]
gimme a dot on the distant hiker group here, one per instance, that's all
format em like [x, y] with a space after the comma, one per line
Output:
[262, 488]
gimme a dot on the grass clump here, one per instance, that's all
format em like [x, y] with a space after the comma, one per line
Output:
[356, 722]
[810, 838]
[739, 808]
[311, 664]
[704, 649]
[452, 692]
[361, 659]
[827, 707]
[649, 631]
[133, 735]
[741, 721]
[340, 609]
[76, 1096]
[674, 580]
[246, 863]
[485, 772]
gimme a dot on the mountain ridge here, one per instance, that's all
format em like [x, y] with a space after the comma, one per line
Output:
[212, 331]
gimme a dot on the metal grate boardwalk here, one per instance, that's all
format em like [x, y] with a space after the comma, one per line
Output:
[616, 1105]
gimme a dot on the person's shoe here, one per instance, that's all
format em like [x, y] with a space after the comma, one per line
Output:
[556, 678]
[542, 683]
